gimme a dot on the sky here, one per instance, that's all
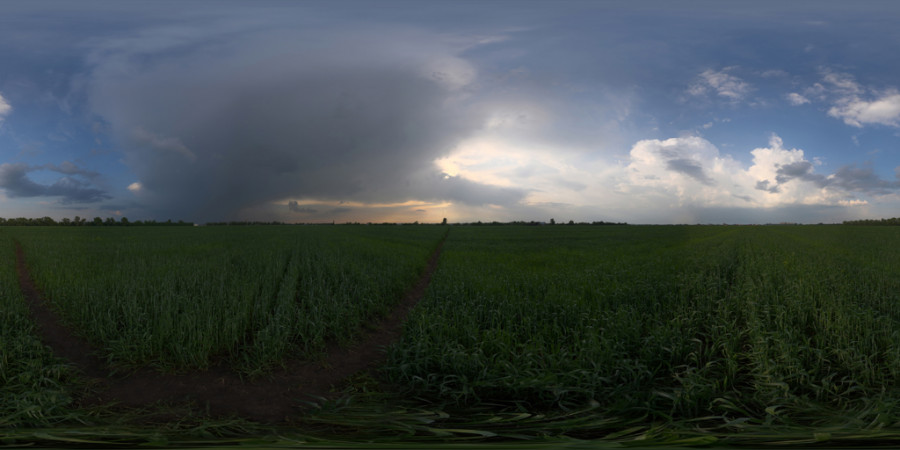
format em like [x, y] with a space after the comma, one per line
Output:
[400, 111]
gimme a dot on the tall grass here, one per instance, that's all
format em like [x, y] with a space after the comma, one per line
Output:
[776, 325]
[34, 388]
[671, 335]
[183, 298]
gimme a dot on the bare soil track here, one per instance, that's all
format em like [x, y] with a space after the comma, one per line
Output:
[219, 391]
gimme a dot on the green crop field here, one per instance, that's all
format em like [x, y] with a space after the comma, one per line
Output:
[688, 335]
[178, 297]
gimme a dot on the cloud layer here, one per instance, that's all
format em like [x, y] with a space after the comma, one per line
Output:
[5, 108]
[690, 171]
[364, 119]
[720, 83]
[309, 111]
[75, 187]
[882, 108]
[853, 103]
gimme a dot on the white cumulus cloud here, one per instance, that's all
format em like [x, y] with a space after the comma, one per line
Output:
[5, 108]
[853, 103]
[722, 84]
[797, 99]
[843, 83]
[856, 111]
[691, 172]
[680, 179]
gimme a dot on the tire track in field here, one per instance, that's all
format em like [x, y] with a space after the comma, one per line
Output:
[219, 391]
[53, 332]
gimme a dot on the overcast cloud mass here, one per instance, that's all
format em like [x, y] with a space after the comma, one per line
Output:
[645, 112]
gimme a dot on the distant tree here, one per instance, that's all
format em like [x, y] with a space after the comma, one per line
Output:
[444, 222]
[98, 221]
[891, 221]
[571, 222]
[552, 222]
[124, 221]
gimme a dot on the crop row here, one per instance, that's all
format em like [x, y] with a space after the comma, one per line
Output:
[184, 298]
[766, 325]
[790, 325]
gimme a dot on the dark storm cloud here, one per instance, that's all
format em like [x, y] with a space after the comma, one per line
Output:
[443, 186]
[295, 207]
[15, 182]
[766, 185]
[809, 214]
[690, 168]
[850, 178]
[69, 168]
[799, 169]
[212, 128]
[859, 179]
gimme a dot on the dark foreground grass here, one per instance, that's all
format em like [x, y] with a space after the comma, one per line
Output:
[708, 330]
[573, 337]
[36, 389]
[352, 425]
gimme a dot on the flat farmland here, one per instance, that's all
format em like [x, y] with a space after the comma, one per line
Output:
[178, 298]
[667, 334]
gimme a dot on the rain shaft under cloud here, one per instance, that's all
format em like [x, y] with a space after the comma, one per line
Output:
[215, 124]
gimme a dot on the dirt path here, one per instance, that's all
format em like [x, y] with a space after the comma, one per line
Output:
[57, 336]
[219, 390]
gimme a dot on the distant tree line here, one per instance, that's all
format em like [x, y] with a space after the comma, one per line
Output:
[112, 222]
[533, 223]
[240, 223]
[243, 223]
[83, 222]
[444, 222]
[891, 221]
